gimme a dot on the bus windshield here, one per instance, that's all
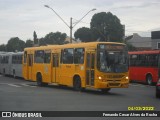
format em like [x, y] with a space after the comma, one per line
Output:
[112, 58]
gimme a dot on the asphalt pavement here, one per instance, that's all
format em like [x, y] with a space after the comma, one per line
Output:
[21, 95]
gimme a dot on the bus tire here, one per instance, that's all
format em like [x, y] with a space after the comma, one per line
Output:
[149, 79]
[77, 83]
[14, 74]
[39, 80]
[4, 72]
[105, 90]
[157, 95]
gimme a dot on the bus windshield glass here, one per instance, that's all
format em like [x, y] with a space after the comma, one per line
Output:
[112, 58]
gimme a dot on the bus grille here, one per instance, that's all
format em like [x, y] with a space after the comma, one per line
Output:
[114, 76]
[113, 80]
[114, 84]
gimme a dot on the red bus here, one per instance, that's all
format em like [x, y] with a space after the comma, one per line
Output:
[144, 66]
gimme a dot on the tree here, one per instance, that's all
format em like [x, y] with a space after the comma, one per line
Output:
[108, 27]
[29, 43]
[84, 34]
[3, 47]
[55, 38]
[42, 42]
[35, 39]
[15, 44]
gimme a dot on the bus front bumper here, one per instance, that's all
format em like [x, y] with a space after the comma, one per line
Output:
[100, 84]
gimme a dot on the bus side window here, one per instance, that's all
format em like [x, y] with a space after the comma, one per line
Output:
[68, 56]
[6, 59]
[153, 60]
[39, 56]
[133, 59]
[47, 57]
[142, 60]
[79, 56]
[25, 57]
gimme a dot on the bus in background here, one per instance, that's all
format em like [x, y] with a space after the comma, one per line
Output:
[1, 53]
[16, 65]
[11, 64]
[144, 66]
[5, 67]
[98, 65]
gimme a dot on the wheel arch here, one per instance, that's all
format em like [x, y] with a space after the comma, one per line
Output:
[75, 77]
[149, 74]
[38, 74]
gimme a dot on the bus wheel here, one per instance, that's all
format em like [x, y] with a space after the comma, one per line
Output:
[14, 74]
[157, 95]
[77, 84]
[39, 81]
[106, 90]
[149, 79]
[4, 72]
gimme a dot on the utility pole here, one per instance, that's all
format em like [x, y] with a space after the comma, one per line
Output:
[71, 30]
[71, 26]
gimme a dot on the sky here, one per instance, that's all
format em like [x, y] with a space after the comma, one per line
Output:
[20, 18]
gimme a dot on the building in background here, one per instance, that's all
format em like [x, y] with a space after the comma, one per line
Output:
[155, 36]
[140, 43]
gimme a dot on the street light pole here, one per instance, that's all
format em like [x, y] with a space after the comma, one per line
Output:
[71, 30]
[56, 14]
[71, 25]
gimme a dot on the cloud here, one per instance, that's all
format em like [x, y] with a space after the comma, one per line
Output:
[134, 5]
[19, 18]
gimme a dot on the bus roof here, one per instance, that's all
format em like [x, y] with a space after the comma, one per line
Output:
[146, 52]
[89, 44]
[11, 53]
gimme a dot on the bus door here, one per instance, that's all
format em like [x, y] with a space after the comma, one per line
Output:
[29, 65]
[90, 66]
[55, 67]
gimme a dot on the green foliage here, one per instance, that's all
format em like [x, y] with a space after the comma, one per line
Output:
[42, 42]
[29, 43]
[55, 38]
[103, 27]
[3, 47]
[108, 27]
[84, 34]
[15, 44]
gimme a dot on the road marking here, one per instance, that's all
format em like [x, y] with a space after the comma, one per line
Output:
[18, 85]
[26, 85]
[140, 85]
[13, 85]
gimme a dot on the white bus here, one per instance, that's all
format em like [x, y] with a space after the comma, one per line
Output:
[11, 64]
[1, 53]
[6, 63]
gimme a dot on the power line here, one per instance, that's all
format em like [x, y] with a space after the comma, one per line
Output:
[80, 21]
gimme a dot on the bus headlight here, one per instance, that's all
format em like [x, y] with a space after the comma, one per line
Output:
[127, 77]
[100, 78]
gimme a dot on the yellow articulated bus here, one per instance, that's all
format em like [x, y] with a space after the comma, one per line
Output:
[99, 65]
